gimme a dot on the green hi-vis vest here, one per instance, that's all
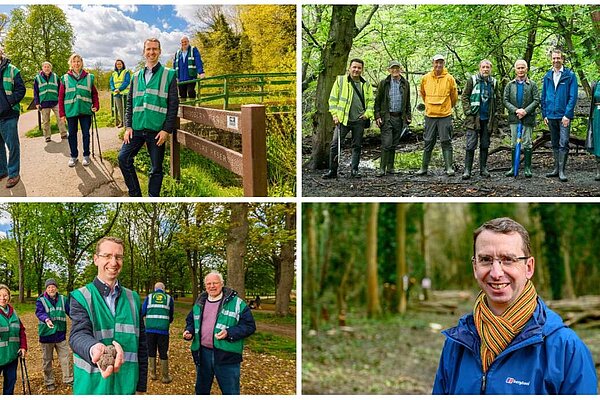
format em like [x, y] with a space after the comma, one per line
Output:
[157, 311]
[8, 82]
[118, 79]
[123, 327]
[191, 62]
[78, 95]
[9, 338]
[229, 315]
[56, 313]
[48, 90]
[150, 100]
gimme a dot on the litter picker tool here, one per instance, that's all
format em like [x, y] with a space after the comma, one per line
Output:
[518, 148]
[97, 137]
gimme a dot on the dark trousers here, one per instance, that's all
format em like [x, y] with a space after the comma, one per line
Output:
[473, 135]
[10, 376]
[127, 156]
[559, 135]
[85, 121]
[390, 132]
[357, 128]
[228, 375]
[187, 90]
[160, 342]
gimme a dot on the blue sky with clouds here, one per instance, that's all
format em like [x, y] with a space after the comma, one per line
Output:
[106, 32]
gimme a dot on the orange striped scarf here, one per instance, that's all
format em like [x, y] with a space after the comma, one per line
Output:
[496, 332]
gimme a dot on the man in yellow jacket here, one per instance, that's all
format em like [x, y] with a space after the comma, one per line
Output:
[439, 93]
[351, 106]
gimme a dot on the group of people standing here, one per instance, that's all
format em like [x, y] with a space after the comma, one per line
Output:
[105, 313]
[352, 105]
[146, 104]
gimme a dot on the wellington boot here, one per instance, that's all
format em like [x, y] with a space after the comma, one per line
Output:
[383, 162]
[555, 170]
[164, 369]
[483, 156]
[511, 171]
[527, 171]
[333, 167]
[425, 164]
[469, 155]
[152, 368]
[391, 162]
[448, 159]
[562, 165]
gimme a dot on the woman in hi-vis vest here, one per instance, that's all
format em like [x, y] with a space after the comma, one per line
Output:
[77, 101]
[13, 343]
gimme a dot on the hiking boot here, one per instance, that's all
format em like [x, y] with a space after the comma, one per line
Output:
[425, 164]
[555, 170]
[483, 156]
[50, 387]
[331, 174]
[355, 174]
[562, 164]
[86, 161]
[511, 171]
[72, 162]
[48, 139]
[11, 182]
[63, 135]
[469, 155]
[527, 170]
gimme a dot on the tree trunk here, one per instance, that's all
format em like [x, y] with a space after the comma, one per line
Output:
[533, 11]
[310, 274]
[401, 270]
[595, 15]
[334, 57]
[373, 304]
[237, 236]
[286, 276]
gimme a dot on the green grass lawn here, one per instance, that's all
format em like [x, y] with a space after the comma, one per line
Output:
[268, 343]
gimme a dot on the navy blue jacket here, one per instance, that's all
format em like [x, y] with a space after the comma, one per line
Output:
[245, 327]
[547, 357]
[8, 101]
[559, 102]
[171, 311]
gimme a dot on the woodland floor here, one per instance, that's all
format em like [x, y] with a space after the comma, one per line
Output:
[580, 172]
[261, 373]
[395, 355]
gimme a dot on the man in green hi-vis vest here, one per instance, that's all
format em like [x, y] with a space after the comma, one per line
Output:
[217, 325]
[103, 313]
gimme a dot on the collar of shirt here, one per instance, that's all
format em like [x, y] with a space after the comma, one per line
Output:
[105, 289]
[154, 69]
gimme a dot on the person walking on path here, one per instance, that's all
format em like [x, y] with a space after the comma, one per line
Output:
[45, 96]
[119, 87]
[559, 97]
[105, 313]
[217, 326]
[150, 118]
[52, 309]
[188, 66]
[593, 132]
[158, 309]
[439, 93]
[78, 100]
[12, 92]
[13, 342]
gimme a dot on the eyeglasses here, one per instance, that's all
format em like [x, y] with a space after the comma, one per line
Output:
[506, 261]
[117, 257]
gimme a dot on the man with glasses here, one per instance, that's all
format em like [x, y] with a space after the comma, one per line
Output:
[511, 343]
[217, 325]
[105, 313]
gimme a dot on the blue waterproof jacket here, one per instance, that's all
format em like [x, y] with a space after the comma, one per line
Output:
[559, 102]
[547, 357]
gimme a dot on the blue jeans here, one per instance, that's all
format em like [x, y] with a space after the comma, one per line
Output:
[127, 156]
[9, 138]
[228, 375]
[559, 135]
[10, 377]
[86, 122]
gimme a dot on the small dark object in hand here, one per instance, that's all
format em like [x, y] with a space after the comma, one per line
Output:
[108, 358]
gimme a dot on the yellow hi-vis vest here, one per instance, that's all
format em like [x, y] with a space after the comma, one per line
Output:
[341, 96]
[118, 79]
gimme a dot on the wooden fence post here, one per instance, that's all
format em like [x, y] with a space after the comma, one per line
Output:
[175, 150]
[254, 149]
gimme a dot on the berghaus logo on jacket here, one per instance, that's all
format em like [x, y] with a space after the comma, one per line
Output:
[513, 381]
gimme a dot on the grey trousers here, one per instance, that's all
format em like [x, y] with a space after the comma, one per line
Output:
[64, 357]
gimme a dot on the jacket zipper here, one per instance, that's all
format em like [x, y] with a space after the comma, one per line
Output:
[483, 383]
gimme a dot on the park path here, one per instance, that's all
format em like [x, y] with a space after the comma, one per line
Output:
[45, 173]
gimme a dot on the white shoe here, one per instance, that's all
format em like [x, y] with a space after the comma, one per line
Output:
[86, 161]
[72, 162]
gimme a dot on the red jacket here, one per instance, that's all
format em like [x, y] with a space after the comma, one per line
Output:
[23, 341]
[61, 95]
